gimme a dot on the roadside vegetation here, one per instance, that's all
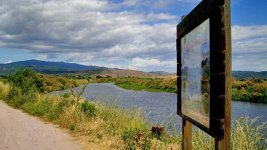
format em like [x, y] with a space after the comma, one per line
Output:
[110, 127]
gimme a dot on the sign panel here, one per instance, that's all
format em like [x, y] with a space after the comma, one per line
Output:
[195, 73]
[204, 68]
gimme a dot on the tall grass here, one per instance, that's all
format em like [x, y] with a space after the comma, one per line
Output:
[115, 128]
[4, 89]
[110, 127]
[246, 134]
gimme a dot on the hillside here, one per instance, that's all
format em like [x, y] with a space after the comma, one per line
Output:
[249, 74]
[44, 67]
[73, 69]
[105, 72]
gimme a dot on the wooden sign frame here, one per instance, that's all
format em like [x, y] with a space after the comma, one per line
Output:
[218, 13]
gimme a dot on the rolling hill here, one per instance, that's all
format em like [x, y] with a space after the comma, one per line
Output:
[86, 71]
[249, 74]
[114, 72]
[44, 67]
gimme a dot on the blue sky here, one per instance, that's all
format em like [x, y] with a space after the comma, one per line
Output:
[130, 34]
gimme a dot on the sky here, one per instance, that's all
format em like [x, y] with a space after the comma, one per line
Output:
[128, 34]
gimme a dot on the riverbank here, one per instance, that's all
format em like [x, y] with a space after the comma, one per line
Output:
[250, 90]
[108, 127]
[111, 127]
[145, 84]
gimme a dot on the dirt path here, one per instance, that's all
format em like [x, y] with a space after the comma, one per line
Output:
[19, 131]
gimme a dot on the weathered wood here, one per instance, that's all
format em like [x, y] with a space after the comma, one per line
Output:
[187, 135]
[218, 12]
[224, 142]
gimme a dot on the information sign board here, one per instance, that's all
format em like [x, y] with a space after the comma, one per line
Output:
[204, 68]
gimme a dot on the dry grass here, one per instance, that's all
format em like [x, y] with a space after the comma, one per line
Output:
[114, 128]
[53, 83]
[4, 89]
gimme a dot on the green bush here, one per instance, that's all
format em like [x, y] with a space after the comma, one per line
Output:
[18, 100]
[27, 81]
[135, 138]
[88, 109]
[129, 136]
[252, 90]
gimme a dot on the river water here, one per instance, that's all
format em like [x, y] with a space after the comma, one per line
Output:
[160, 108]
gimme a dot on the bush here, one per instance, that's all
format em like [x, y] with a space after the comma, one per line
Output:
[253, 90]
[18, 100]
[27, 80]
[88, 109]
[131, 137]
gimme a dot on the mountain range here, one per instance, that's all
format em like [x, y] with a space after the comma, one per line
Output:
[44, 67]
[83, 70]
[69, 69]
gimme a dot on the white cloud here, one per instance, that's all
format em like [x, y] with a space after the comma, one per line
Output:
[86, 31]
[104, 33]
[151, 64]
[249, 39]
[130, 2]
[248, 32]
[8, 62]
[249, 47]
[256, 45]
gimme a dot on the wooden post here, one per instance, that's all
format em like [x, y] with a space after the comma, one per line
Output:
[224, 143]
[187, 135]
[218, 13]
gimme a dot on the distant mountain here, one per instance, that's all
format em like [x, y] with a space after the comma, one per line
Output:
[77, 69]
[44, 67]
[249, 74]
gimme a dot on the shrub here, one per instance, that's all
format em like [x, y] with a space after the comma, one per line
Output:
[27, 80]
[18, 100]
[88, 109]
[130, 137]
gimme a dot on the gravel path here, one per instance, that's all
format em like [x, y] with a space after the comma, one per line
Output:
[19, 131]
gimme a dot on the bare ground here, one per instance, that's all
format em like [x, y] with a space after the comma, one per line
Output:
[19, 131]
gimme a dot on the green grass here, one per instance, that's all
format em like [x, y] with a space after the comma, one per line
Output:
[127, 129]
[133, 86]
[146, 84]
[250, 90]
[111, 127]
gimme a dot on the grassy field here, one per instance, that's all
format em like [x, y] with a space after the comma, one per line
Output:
[111, 127]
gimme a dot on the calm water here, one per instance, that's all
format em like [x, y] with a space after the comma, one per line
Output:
[159, 108]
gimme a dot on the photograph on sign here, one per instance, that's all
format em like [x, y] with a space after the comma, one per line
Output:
[195, 73]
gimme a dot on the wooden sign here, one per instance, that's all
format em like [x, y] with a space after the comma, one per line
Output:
[204, 70]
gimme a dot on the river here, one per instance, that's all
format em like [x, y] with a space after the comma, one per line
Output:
[160, 108]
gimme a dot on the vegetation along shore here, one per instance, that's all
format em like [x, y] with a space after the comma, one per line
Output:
[249, 90]
[109, 127]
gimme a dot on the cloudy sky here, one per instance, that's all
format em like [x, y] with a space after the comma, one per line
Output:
[132, 34]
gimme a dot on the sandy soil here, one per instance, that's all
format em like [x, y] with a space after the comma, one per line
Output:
[19, 131]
